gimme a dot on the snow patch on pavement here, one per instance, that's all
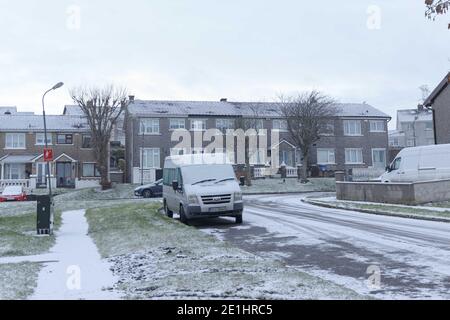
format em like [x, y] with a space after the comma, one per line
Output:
[79, 272]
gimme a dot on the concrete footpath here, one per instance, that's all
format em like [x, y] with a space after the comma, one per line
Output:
[76, 270]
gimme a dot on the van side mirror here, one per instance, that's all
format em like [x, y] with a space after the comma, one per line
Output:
[175, 185]
[388, 169]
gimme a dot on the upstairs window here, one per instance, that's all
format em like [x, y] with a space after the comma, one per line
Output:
[40, 139]
[64, 139]
[176, 124]
[15, 141]
[281, 125]
[87, 141]
[377, 126]
[149, 126]
[352, 127]
[224, 124]
[198, 124]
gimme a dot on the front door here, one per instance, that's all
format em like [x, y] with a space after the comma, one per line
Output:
[41, 174]
[64, 178]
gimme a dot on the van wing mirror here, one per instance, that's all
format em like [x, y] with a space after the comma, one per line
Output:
[388, 169]
[175, 185]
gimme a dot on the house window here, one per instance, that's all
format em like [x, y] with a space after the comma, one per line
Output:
[279, 124]
[352, 127]
[410, 143]
[149, 126]
[198, 124]
[151, 158]
[198, 151]
[87, 141]
[40, 139]
[377, 126]
[14, 171]
[353, 156]
[15, 141]
[326, 156]
[64, 139]
[90, 170]
[407, 126]
[223, 124]
[395, 142]
[177, 124]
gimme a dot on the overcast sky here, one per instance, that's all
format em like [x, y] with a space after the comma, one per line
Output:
[354, 50]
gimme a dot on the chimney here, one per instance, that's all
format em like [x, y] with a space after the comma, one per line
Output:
[8, 113]
[224, 100]
[131, 98]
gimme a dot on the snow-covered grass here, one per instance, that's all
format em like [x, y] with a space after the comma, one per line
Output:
[119, 191]
[388, 209]
[290, 185]
[18, 280]
[159, 258]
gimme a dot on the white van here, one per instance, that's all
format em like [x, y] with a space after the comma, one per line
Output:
[419, 164]
[201, 185]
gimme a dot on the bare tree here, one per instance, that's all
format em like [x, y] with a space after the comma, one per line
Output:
[102, 107]
[249, 120]
[307, 116]
[435, 8]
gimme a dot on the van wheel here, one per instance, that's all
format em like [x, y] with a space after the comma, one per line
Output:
[167, 211]
[239, 219]
[183, 217]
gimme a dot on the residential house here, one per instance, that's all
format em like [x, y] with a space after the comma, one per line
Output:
[22, 143]
[414, 128]
[439, 101]
[356, 137]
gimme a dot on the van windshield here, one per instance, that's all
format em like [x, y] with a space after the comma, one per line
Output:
[206, 173]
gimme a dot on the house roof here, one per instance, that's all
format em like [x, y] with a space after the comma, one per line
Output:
[8, 109]
[437, 91]
[73, 110]
[20, 123]
[226, 108]
[17, 159]
[409, 115]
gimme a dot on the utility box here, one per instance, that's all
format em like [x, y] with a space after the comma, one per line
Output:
[44, 215]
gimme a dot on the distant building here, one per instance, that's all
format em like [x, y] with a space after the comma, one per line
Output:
[356, 137]
[439, 101]
[13, 110]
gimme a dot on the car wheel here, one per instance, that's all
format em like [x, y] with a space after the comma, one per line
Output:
[147, 194]
[183, 217]
[167, 211]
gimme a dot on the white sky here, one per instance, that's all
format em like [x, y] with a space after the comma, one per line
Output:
[209, 49]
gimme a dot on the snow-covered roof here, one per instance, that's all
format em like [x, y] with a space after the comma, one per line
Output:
[226, 108]
[12, 110]
[17, 159]
[22, 123]
[73, 110]
[409, 115]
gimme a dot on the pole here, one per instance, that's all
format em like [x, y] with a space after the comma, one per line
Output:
[46, 147]
[142, 159]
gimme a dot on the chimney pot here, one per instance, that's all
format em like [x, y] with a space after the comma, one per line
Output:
[224, 100]
[131, 98]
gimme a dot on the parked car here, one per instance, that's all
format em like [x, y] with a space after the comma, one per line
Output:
[200, 186]
[419, 164]
[150, 190]
[13, 193]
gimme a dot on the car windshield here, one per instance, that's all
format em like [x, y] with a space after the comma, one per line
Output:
[12, 191]
[206, 173]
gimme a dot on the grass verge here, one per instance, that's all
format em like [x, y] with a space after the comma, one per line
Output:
[160, 258]
[17, 281]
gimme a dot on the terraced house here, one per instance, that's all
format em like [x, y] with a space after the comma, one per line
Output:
[356, 137]
[21, 151]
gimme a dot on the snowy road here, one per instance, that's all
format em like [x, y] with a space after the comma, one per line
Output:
[410, 258]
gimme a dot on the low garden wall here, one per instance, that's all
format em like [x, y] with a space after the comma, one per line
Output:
[396, 193]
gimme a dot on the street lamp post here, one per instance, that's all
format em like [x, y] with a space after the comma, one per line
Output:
[56, 86]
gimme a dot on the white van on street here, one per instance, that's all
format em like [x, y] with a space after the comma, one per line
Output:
[419, 164]
[200, 186]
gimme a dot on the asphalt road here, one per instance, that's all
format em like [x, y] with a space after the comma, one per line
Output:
[385, 257]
